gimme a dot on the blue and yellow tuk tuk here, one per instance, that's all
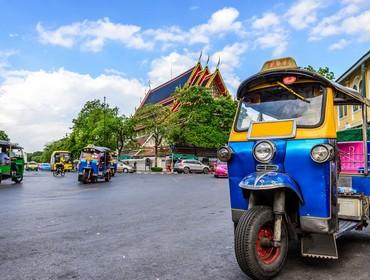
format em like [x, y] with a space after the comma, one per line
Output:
[94, 164]
[284, 162]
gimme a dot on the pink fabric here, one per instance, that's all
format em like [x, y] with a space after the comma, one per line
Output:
[351, 156]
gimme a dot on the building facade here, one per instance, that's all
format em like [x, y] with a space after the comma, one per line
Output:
[349, 116]
[163, 94]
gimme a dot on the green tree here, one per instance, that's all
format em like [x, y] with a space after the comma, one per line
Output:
[58, 145]
[125, 133]
[323, 71]
[97, 123]
[153, 119]
[35, 156]
[202, 119]
[4, 136]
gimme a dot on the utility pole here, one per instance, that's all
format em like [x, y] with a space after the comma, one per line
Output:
[105, 142]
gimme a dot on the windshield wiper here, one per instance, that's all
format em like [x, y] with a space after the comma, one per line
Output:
[293, 92]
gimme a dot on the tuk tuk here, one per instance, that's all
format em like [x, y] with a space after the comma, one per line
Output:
[61, 159]
[94, 164]
[286, 168]
[11, 161]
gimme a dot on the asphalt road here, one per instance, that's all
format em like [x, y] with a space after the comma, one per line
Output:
[138, 227]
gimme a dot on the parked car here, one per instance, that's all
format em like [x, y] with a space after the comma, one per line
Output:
[44, 166]
[221, 169]
[190, 165]
[32, 166]
[124, 168]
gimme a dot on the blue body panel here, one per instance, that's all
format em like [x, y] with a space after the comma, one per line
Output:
[311, 179]
[270, 180]
[361, 184]
[93, 164]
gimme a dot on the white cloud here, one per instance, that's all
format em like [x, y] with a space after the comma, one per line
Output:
[92, 35]
[267, 20]
[303, 13]
[268, 33]
[220, 23]
[37, 107]
[169, 66]
[276, 40]
[230, 57]
[342, 43]
[351, 19]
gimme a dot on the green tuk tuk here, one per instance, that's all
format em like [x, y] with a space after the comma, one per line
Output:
[11, 161]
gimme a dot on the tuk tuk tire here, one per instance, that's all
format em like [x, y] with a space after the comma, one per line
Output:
[186, 170]
[18, 179]
[1, 178]
[253, 259]
[107, 177]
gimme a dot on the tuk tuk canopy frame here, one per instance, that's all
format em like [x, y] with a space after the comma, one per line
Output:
[8, 144]
[342, 95]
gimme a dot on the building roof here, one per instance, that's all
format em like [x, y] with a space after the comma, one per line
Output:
[357, 64]
[165, 90]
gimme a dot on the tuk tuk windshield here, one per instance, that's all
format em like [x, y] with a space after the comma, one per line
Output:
[16, 153]
[89, 155]
[66, 157]
[302, 102]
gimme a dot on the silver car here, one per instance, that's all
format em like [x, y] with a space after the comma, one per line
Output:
[190, 165]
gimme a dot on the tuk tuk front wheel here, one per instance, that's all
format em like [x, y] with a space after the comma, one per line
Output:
[254, 249]
[18, 179]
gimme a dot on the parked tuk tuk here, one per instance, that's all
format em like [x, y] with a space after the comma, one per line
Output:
[94, 164]
[286, 168]
[11, 161]
[61, 160]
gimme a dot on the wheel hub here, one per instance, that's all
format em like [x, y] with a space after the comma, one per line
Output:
[265, 250]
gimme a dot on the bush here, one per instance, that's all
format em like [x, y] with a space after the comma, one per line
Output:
[157, 169]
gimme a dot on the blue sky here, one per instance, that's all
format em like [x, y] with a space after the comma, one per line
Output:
[56, 55]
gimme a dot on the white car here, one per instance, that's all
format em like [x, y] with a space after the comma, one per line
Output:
[190, 166]
[124, 168]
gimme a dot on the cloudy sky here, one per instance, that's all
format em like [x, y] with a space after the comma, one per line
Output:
[56, 55]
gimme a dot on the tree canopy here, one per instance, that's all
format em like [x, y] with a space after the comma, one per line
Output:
[97, 124]
[153, 118]
[323, 71]
[4, 136]
[202, 120]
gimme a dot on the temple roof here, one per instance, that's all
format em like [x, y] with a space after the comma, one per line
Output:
[195, 76]
[165, 90]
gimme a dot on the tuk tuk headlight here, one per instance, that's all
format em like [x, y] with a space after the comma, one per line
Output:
[224, 153]
[264, 151]
[322, 153]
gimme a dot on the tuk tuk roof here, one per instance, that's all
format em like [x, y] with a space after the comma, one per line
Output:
[102, 149]
[343, 95]
[61, 152]
[4, 143]
[98, 148]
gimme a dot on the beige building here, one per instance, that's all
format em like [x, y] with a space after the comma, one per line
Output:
[349, 116]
